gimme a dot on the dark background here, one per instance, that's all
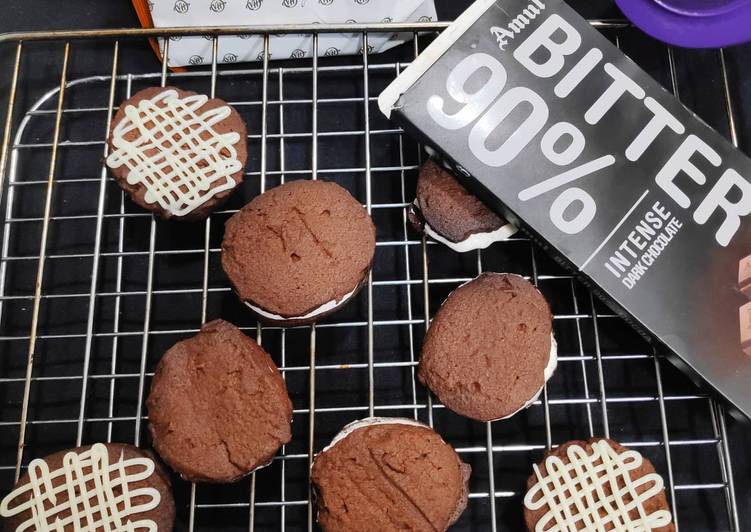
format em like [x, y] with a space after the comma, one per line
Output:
[698, 76]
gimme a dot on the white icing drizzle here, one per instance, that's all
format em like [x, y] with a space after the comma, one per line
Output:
[91, 508]
[177, 154]
[576, 493]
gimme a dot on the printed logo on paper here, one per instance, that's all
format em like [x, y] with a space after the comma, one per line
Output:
[217, 6]
[325, 2]
[181, 6]
[254, 5]
[331, 52]
[518, 24]
[289, 3]
[229, 57]
[297, 53]
[195, 60]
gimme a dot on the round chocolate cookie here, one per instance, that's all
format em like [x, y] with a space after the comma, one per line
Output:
[299, 252]
[218, 406]
[596, 485]
[490, 349]
[177, 153]
[383, 474]
[116, 487]
[445, 211]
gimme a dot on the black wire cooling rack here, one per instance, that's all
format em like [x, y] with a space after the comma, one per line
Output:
[93, 290]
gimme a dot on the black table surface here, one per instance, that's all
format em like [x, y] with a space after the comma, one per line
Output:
[22, 15]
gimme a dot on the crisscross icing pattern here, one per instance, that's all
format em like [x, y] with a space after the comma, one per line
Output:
[595, 492]
[95, 494]
[176, 154]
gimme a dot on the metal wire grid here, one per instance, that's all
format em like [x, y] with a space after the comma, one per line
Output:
[103, 389]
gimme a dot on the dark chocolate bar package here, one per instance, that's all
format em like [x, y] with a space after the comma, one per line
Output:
[563, 134]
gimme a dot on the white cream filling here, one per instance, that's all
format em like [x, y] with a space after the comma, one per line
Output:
[371, 421]
[552, 360]
[474, 241]
[326, 307]
[368, 422]
[547, 373]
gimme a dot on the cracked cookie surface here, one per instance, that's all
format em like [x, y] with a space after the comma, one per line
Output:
[449, 208]
[297, 248]
[389, 475]
[489, 349]
[218, 406]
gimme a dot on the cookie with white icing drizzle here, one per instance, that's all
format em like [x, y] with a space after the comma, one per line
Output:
[596, 485]
[111, 486]
[177, 153]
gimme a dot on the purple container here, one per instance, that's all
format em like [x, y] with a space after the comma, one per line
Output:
[692, 23]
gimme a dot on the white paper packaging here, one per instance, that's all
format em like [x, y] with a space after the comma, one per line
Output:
[198, 50]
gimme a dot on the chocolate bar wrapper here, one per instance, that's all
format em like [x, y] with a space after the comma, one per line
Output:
[564, 135]
[185, 51]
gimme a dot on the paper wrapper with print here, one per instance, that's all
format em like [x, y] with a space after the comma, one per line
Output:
[198, 50]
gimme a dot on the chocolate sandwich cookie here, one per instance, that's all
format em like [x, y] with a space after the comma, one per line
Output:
[383, 474]
[177, 153]
[299, 251]
[490, 349]
[596, 485]
[110, 486]
[218, 406]
[445, 211]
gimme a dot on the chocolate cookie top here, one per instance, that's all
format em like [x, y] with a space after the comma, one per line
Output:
[489, 350]
[218, 406]
[385, 474]
[177, 153]
[113, 483]
[299, 251]
[446, 211]
[596, 485]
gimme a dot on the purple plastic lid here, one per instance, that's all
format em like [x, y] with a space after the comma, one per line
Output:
[692, 23]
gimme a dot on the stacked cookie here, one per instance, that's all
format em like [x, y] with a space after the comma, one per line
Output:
[446, 212]
[218, 407]
[299, 252]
